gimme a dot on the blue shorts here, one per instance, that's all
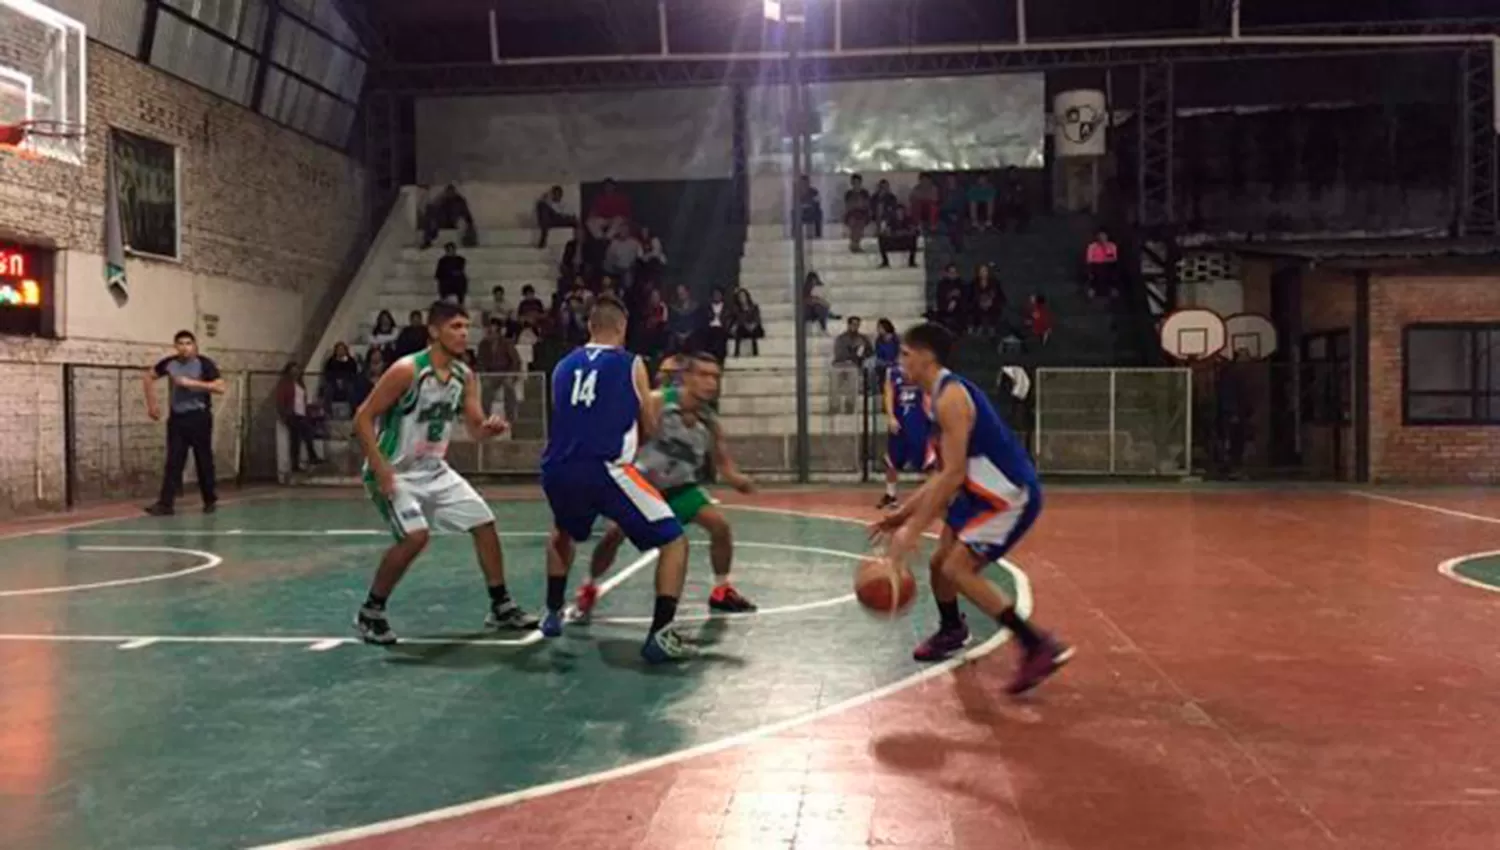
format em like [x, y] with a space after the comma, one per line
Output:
[991, 529]
[908, 452]
[582, 491]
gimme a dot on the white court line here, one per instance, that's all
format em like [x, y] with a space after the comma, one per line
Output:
[783, 609]
[307, 641]
[85, 523]
[1364, 494]
[210, 560]
[1449, 568]
[138, 643]
[325, 645]
[278, 532]
[1023, 604]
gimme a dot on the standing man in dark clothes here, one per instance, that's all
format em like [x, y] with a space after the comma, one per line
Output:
[190, 425]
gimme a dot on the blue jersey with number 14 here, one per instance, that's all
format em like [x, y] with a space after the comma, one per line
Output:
[594, 408]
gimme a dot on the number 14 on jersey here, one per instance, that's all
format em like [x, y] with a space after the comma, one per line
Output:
[584, 386]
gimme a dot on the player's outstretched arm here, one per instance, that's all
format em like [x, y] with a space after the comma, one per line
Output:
[888, 396]
[480, 426]
[388, 390]
[955, 418]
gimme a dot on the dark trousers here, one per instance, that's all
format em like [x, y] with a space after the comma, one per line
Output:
[189, 431]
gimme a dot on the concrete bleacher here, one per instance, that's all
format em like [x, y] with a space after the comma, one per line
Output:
[759, 395]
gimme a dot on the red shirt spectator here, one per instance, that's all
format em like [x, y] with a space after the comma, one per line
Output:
[1102, 250]
[1040, 318]
[610, 204]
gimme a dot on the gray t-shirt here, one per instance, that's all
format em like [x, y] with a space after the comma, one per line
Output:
[196, 368]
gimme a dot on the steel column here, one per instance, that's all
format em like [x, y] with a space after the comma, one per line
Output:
[1478, 167]
[1155, 149]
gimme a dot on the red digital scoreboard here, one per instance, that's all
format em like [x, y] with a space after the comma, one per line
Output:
[26, 307]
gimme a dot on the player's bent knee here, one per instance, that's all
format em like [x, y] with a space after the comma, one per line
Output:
[416, 541]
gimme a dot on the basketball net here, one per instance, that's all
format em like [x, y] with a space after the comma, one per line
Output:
[13, 136]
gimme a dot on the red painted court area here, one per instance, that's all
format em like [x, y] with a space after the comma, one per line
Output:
[1257, 669]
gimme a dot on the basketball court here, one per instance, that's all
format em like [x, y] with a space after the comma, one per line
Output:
[1257, 669]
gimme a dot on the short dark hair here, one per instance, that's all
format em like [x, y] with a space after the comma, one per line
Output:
[703, 357]
[184, 335]
[608, 311]
[443, 312]
[932, 337]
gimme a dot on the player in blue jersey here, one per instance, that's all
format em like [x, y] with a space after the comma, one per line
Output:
[907, 444]
[987, 492]
[601, 404]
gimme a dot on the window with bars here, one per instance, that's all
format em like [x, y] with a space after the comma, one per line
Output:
[1450, 374]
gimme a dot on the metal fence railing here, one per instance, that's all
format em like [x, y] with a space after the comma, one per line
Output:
[1113, 421]
[75, 432]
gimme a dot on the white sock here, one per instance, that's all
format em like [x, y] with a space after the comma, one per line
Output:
[890, 489]
[721, 580]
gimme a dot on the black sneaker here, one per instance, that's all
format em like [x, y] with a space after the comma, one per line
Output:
[509, 617]
[886, 502]
[210, 507]
[373, 627]
[727, 600]
[158, 509]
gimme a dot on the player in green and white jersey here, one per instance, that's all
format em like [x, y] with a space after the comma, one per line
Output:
[673, 460]
[403, 428]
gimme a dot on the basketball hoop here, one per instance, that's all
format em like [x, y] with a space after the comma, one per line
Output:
[1193, 334]
[17, 139]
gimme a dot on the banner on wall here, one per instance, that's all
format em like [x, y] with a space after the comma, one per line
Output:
[927, 124]
[659, 134]
[114, 239]
[146, 174]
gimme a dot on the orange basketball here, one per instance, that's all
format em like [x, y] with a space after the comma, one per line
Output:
[884, 588]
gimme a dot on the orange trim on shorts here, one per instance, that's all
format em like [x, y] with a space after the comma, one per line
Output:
[997, 506]
[640, 481]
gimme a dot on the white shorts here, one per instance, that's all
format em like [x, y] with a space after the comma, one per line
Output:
[441, 499]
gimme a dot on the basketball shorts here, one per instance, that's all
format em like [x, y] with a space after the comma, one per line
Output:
[991, 526]
[581, 492]
[687, 501]
[437, 499]
[904, 451]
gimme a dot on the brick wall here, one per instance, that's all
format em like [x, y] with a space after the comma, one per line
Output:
[1426, 454]
[264, 210]
[1327, 304]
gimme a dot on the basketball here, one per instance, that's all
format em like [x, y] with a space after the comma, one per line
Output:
[884, 588]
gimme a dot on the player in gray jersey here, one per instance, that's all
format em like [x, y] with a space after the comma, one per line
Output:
[673, 460]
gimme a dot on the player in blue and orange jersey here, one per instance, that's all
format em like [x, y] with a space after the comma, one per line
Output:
[602, 402]
[907, 445]
[987, 492]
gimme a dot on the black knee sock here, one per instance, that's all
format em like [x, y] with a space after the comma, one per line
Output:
[948, 616]
[557, 588]
[499, 595]
[373, 602]
[1020, 628]
[666, 609]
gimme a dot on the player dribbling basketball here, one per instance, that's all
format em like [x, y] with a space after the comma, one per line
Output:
[987, 491]
[403, 428]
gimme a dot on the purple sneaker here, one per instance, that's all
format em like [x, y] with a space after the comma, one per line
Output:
[1039, 663]
[943, 644]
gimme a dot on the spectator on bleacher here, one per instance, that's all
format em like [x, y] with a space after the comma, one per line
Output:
[452, 275]
[620, 257]
[899, 234]
[530, 306]
[500, 363]
[988, 311]
[654, 323]
[1103, 262]
[336, 387]
[653, 257]
[683, 319]
[500, 309]
[375, 363]
[609, 213]
[413, 337]
[883, 204]
[923, 201]
[856, 212]
[744, 322]
[981, 196]
[383, 335]
[572, 255]
[447, 211]
[887, 347]
[809, 206]
[573, 321]
[1010, 204]
[713, 326]
[951, 212]
[550, 214]
[292, 407]
[1039, 319]
[948, 284]
[952, 311]
[815, 301]
[850, 351]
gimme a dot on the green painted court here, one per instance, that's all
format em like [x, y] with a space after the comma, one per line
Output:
[192, 682]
